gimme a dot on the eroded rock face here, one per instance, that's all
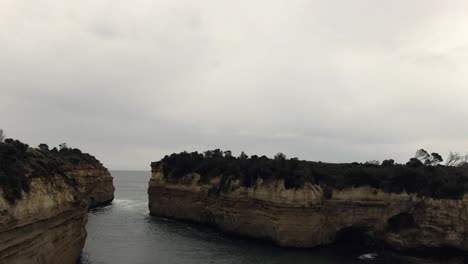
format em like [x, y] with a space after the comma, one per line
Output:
[44, 200]
[95, 180]
[306, 217]
[46, 226]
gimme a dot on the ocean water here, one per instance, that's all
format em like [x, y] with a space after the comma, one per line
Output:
[125, 233]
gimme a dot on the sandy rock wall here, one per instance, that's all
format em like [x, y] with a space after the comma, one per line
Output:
[306, 218]
[95, 180]
[46, 226]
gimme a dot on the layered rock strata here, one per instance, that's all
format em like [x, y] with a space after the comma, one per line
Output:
[46, 226]
[95, 181]
[44, 200]
[306, 217]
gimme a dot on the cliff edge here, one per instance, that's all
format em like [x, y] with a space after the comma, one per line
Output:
[318, 209]
[96, 183]
[44, 201]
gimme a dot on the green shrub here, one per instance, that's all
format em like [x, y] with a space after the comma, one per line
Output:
[16, 158]
[414, 177]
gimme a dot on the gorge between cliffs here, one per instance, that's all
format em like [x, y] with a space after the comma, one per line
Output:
[46, 194]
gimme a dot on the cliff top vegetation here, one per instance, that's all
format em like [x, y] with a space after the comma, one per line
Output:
[423, 175]
[20, 163]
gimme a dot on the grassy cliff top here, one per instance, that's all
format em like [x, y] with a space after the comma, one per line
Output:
[19, 164]
[429, 180]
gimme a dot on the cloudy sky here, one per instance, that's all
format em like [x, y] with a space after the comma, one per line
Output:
[131, 81]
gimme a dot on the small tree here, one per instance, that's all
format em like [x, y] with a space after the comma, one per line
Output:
[217, 153]
[429, 160]
[228, 154]
[388, 163]
[280, 156]
[243, 156]
[63, 146]
[422, 155]
[208, 154]
[43, 147]
[373, 162]
[435, 159]
[455, 159]
[2, 135]
[414, 163]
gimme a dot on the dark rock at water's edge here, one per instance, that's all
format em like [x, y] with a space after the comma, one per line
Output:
[308, 204]
[95, 181]
[44, 200]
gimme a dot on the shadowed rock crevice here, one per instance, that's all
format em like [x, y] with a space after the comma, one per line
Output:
[401, 221]
[356, 236]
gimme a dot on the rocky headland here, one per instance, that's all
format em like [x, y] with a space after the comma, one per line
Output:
[44, 200]
[96, 182]
[295, 203]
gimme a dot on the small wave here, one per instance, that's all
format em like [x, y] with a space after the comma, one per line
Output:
[368, 256]
[129, 203]
[84, 258]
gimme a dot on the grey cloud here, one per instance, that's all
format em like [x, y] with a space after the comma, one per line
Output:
[322, 80]
[104, 29]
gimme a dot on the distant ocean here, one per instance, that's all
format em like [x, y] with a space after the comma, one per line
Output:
[124, 233]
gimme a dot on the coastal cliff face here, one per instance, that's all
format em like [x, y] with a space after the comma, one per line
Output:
[47, 225]
[309, 216]
[44, 200]
[95, 181]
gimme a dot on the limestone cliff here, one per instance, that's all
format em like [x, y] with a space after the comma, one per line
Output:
[44, 200]
[95, 180]
[309, 216]
[46, 226]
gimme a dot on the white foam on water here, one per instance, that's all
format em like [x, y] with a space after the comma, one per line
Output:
[129, 204]
[368, 256]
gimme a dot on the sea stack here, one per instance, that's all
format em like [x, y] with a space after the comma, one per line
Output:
[44, 201]
[307, 204]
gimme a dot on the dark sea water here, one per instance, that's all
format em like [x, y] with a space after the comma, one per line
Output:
[125, 233]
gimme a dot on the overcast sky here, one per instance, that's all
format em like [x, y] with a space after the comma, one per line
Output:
[131, 81]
